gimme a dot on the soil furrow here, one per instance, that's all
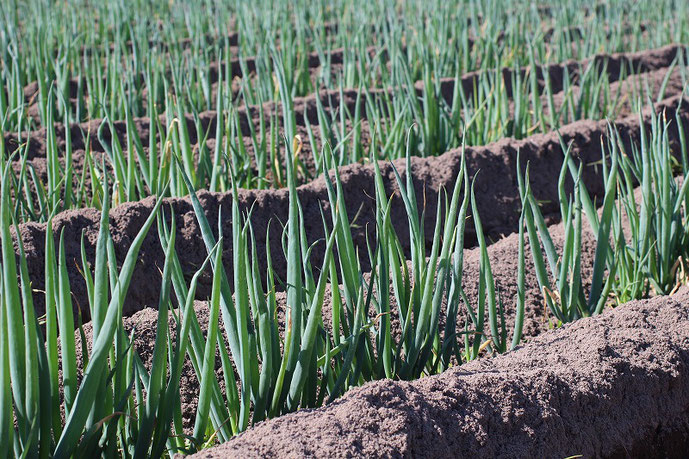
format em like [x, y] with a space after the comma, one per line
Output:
[496, 187]
[618, 66]
[619, 100]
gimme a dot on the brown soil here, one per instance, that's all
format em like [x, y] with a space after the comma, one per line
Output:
[144, 325]
[618, 65]
[628, 93]
[496, 186]
[611, 386]
[620, 101]
[503, 255]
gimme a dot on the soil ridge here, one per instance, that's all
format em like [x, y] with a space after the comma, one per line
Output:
[609, 386]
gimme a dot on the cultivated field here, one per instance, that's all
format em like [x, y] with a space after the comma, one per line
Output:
[344, 228]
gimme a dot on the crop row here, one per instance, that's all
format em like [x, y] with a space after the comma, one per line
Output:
[61, 169]
[496, 184]
[602, 384]
[389, 198]
[321, 69]
[270, 365]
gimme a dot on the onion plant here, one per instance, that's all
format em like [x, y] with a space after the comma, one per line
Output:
[385, 324]
[127, 107]
[122, 63]
[30, 348]
[250, 149]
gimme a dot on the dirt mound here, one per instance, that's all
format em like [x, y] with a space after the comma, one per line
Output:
[614, 385]
[144, 325]
[617, 65]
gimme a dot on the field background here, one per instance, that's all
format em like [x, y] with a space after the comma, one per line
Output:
[218, 213]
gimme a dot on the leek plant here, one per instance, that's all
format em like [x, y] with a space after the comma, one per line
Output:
[640, 229]
[566, 298]
[650, 232]
[39, 404]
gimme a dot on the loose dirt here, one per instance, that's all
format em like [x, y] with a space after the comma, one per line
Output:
[616, 385]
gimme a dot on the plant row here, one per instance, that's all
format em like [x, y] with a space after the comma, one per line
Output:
[53, 172]
[409, 317]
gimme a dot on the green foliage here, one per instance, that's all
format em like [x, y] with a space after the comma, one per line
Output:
[189, 72]
[175, 118]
